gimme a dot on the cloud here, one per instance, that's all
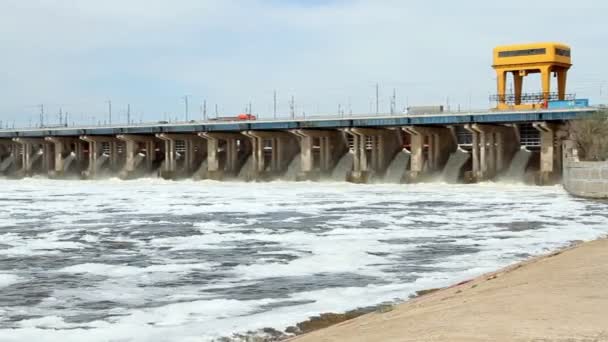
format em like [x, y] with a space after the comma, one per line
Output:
[78, 54]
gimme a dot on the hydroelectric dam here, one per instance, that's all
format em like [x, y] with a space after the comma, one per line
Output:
[523, 145]
[521, 140]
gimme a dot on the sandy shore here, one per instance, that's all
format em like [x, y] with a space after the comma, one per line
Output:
[559, 297]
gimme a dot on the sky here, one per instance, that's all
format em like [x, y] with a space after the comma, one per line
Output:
[76, 56]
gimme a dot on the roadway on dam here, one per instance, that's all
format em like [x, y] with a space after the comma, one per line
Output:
[313, 122]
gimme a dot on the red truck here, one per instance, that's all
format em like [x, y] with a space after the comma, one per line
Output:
[240, 117]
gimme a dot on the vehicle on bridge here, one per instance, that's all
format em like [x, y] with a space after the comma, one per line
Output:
[239, 117]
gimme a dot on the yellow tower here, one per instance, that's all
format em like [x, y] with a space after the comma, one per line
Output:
[520, 61]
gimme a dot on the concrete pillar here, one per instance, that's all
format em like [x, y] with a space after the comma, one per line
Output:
[32, 152]
[320, 150]
[493, 148]
[134, 155]
[179, 164]
[68, 154]
[430, 149]
[374, 149]
[116, 159]
[283, 147]
[360, 173]
[226, 153]
[550, 153]
[100, 161]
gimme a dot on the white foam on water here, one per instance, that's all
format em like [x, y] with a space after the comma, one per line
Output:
[9, 279]
[168, 258]
[124, 270]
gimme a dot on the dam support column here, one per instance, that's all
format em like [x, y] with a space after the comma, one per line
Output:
[550, 153]
[103, 156]
[492, 149]
[33, 157]
[430, 148]
[282, 147]
[135, 155]
[68, 154]
[226, 154]
[183, 153]
[320, 150]
[373, 150]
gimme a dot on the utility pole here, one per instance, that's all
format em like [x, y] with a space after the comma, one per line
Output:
[394, 101]
[205, 110]
[186, 106]
[249, 110]
[41, 115]
[216, 111]
[128, 114]
[292, 108]
[350, 107]
[60, 116]
[275, 104]
[66, 119]
[110, 112]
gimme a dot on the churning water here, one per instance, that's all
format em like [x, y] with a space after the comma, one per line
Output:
[152, 260]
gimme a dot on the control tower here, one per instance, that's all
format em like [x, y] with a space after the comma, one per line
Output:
[548, 59]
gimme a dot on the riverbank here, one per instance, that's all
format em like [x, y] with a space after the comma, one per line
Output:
[562, 296]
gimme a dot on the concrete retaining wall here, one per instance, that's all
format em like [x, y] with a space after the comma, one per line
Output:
[586, 179]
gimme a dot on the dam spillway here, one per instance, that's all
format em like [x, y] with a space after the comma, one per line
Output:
[306, 149]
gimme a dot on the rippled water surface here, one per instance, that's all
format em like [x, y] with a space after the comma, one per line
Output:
[149, 260]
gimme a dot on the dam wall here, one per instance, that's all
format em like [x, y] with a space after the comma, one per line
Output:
[408, 148]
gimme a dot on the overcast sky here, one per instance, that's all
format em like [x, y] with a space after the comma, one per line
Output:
[78, 54]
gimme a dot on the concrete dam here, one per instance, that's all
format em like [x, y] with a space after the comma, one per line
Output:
[451, 147]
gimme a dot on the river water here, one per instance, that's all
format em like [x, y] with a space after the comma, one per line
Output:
[152, 260]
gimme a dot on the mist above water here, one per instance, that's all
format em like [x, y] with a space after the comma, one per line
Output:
[153, 260]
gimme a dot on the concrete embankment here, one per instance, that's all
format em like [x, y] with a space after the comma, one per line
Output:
[586, 178]
[559, 297]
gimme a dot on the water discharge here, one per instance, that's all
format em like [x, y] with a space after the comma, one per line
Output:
[154, 260]
[101, 160]
[453, 168]
[396, 169]
[292, 170]
[344, 166]
[519, 164]
[246, 172]
[68, 161]
[202, 172]
[7, 162]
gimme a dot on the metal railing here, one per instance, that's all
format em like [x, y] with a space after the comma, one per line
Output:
[529, 97]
